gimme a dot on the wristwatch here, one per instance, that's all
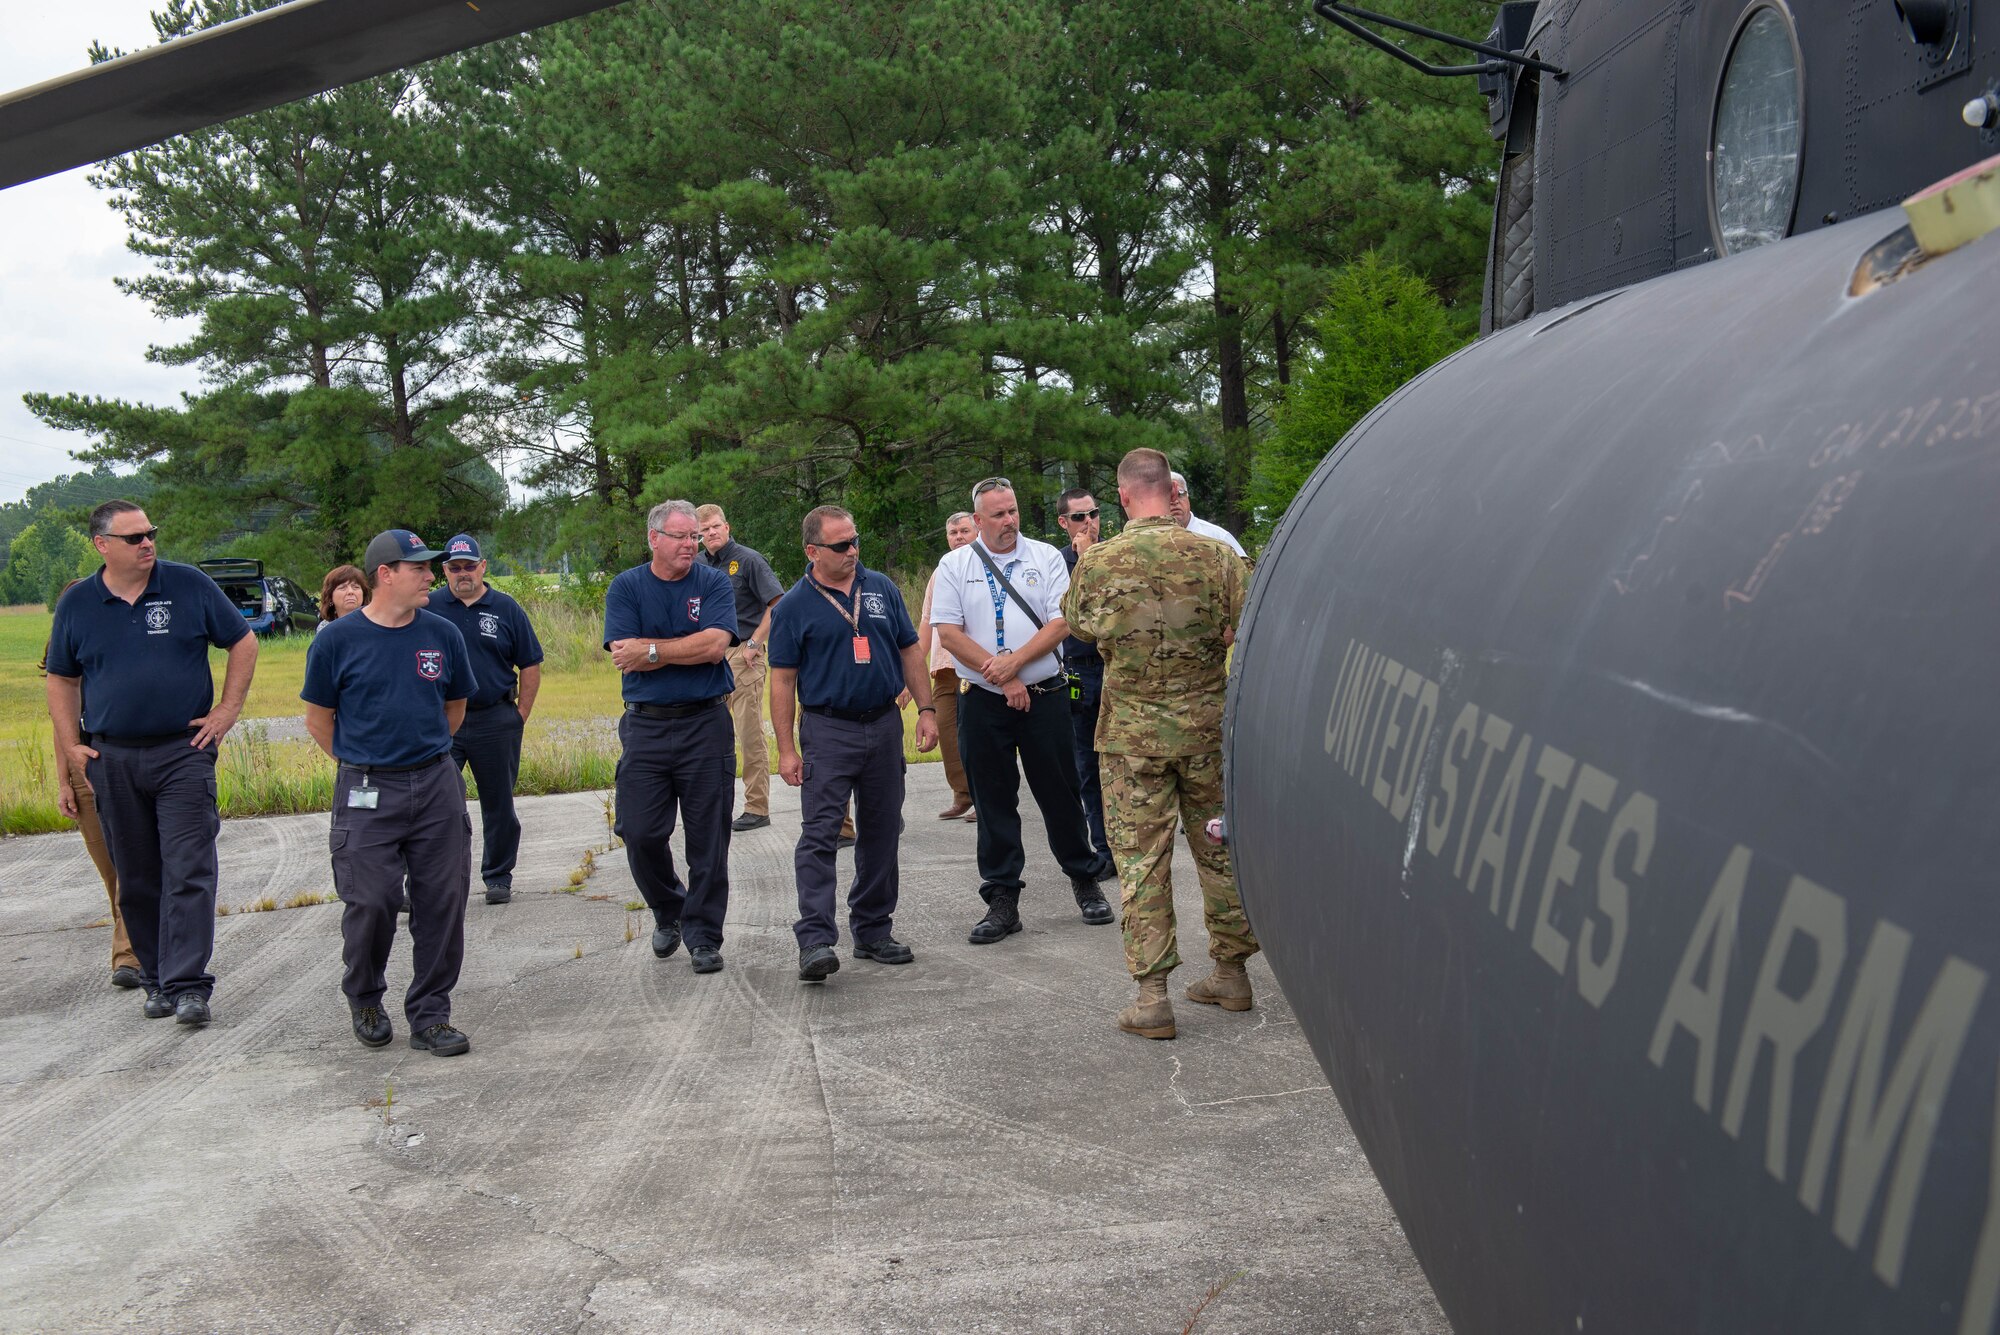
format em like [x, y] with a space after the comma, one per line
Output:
[652, 651]
[758, 645]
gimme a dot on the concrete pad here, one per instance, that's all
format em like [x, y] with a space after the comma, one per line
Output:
[966, 1143]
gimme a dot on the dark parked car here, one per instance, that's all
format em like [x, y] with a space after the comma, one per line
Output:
[272, 604]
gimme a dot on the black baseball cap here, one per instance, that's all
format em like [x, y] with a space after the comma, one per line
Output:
[396, 544]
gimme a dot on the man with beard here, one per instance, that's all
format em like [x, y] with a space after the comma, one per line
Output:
[500, 639]
[998, 612]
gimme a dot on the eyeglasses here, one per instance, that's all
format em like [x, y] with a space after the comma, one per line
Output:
[461, 567]
[1081, 514]
[674, 537]
[846, 546]
[985, 485]
[143, 535]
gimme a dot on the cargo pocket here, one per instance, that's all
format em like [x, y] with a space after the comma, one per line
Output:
[336, 845]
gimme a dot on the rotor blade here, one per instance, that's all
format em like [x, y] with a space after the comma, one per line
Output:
[275, 56]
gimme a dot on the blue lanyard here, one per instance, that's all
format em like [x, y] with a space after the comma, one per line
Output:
[999, 602]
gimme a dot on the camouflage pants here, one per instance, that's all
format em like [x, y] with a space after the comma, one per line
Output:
[1143, 798]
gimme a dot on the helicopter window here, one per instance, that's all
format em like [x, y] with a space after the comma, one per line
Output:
[1759, 126]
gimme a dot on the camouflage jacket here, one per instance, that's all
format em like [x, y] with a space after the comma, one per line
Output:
[1157, 599]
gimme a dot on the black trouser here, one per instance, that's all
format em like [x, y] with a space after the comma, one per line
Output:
[1083, 725]
[157, 806]
[990, 733]
[864, 760]
[689, 764]
[490, 742]
[418, 823]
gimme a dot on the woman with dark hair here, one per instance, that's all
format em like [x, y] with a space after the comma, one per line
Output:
[75, 800]
[343, 590]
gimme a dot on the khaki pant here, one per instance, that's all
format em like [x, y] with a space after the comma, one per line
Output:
[1143, 798]
[746, 708]
[122, 956]
[944, 694]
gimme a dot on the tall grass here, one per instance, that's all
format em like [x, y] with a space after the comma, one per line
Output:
[571, 743]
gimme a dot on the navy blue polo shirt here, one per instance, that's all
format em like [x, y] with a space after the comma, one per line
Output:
[497, 637]
[1073, 649]
[808, 634]
[144, 664]
[387, 687]
[640, 605]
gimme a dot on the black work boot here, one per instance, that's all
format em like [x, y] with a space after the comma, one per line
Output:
[1001, 921]
[1090, 899]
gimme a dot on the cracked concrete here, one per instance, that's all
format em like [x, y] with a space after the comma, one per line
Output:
[965, 1143]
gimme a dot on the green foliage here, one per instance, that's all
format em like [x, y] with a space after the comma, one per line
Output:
[1380, 326]
[861, 251]
[42, 558]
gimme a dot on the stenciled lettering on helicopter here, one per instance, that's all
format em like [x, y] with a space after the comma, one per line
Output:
[1877, 1106]
[1381, 726]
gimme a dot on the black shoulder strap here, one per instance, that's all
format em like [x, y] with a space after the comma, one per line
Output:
[979, 550]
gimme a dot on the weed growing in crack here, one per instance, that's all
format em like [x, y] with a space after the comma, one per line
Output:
[1215, 1291]
[577, 954]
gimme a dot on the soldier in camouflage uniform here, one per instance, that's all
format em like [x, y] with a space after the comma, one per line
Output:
[1162, 603]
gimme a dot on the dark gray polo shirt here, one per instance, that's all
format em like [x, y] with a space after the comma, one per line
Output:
[751, 579]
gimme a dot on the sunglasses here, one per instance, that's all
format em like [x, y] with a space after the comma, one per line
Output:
[846, 546]
[143, 535]
[1081, 514]
[461, 567]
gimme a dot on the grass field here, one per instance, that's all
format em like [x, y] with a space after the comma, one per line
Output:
[570, 744]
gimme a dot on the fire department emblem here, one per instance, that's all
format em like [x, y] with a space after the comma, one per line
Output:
[430, 664]
[159, 617]
[875, 604]
[1033, 578]
[489, 625]
[694, 609]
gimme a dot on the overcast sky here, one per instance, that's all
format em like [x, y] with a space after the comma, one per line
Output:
[63, 326]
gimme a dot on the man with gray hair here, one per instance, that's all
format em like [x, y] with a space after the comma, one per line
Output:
[958, 531]
[998, 613]
[1184, 516]
[669, 625]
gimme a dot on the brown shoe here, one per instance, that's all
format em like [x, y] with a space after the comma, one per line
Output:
[1152, 1015]
[956, 809]
[1228, 987]
[972, 816]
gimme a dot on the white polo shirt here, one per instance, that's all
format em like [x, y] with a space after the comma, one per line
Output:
[964, 597]
[1202, 528]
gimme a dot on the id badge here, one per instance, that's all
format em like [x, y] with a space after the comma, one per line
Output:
[364, 798]
[861, 649]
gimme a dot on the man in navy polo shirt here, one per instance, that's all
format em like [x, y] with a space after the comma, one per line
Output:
[500, 639]
[669, 625]
[133, 703]
[843, 649]
[385, 689]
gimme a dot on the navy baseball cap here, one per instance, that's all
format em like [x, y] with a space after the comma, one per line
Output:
[463, 547]
[396, 544]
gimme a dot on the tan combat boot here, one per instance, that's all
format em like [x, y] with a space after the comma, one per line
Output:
[1152, 1015]
[1228, 987]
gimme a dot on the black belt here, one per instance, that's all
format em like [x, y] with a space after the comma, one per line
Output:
[398, 769]
[1054, 683]
[688, 710]
[161, 739]
[490, 704]
[851, 715]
